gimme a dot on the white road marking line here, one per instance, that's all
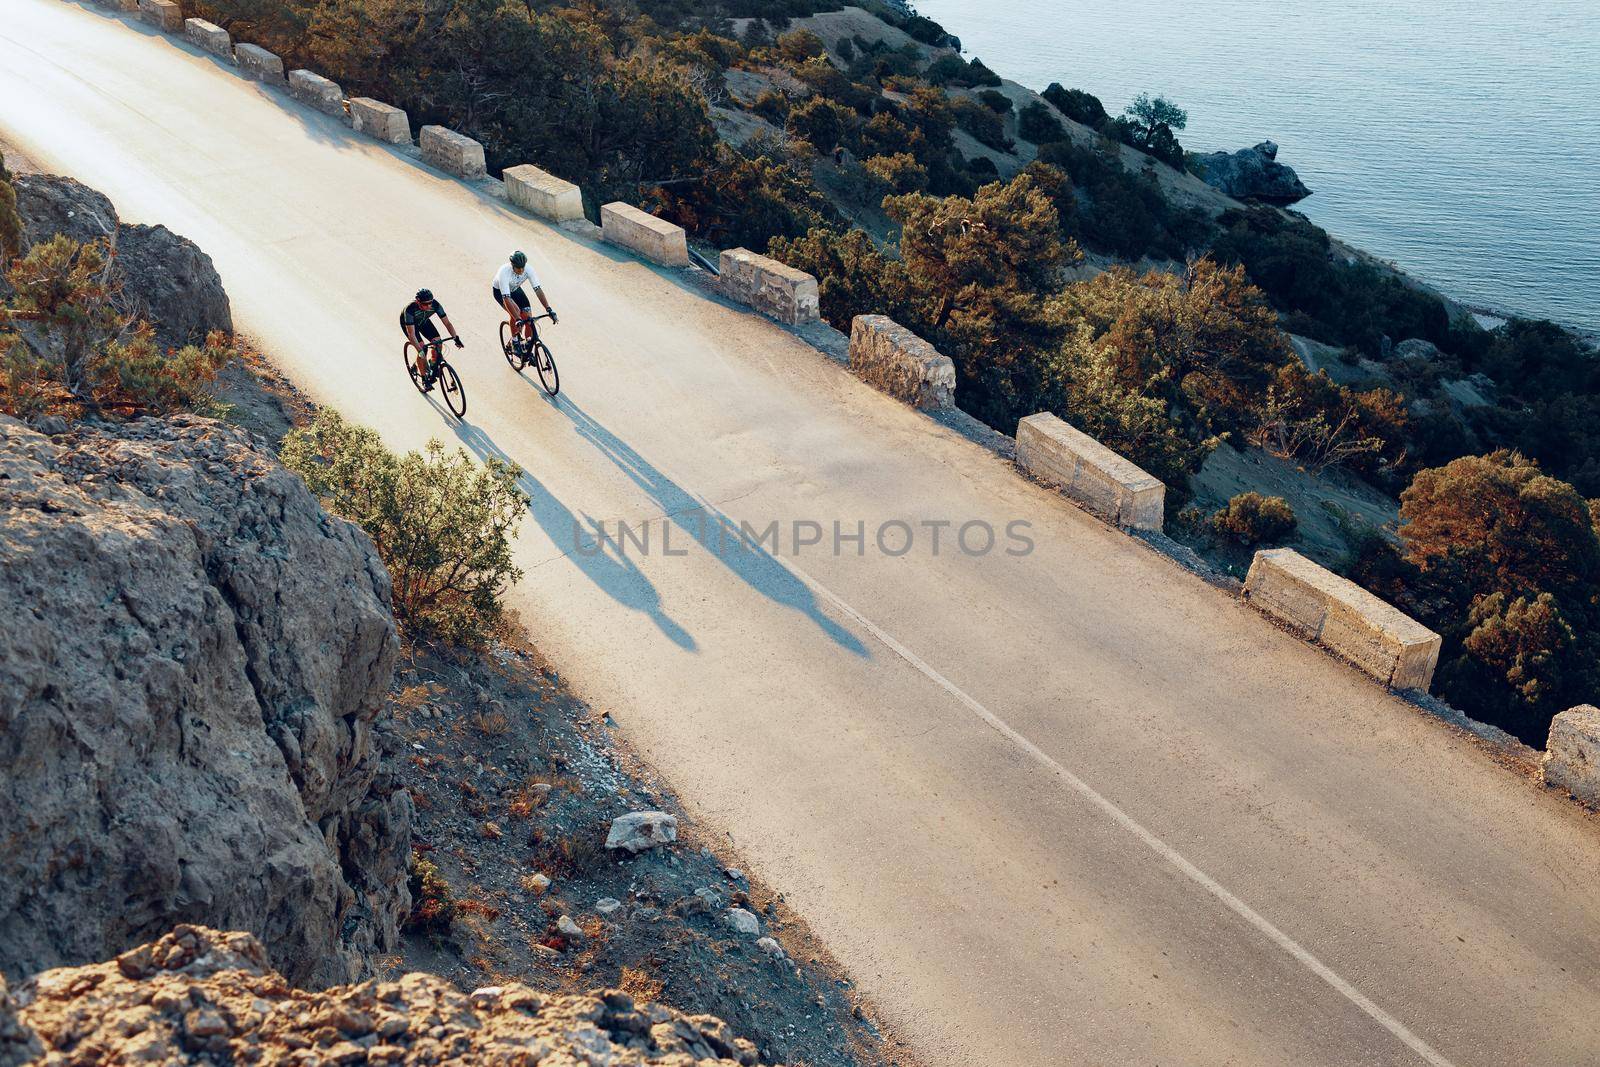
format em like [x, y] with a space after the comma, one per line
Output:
[1154, 843]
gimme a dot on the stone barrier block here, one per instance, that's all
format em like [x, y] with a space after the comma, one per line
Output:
[639, 231]
[165, 15]
[210, 36]
[1572, 754]
[772, 288]
[1342, 617]
[124, 5]
[890, 357]
[379, 120]
[451, 152]
[542, 193]
[316, 91]
[1111, 486]
[258, 63]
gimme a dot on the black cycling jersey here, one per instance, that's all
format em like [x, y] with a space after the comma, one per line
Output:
[416, 315]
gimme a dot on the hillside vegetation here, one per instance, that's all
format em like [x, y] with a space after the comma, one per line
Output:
[854, 143]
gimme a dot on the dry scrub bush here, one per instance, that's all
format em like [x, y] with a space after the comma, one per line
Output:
[1250, 518]
[442, 524]
[66, 349]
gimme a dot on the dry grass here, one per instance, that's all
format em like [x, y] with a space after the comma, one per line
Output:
[490, 723]
[640, 985]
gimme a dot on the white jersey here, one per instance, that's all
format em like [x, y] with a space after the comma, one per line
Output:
[508, 281]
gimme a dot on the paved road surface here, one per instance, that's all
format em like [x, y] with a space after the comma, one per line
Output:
[1075, 807]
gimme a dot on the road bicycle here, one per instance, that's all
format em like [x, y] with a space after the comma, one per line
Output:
[521, 352]
[444, 375]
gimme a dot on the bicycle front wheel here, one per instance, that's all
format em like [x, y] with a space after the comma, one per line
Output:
[506, 347]
[410, 354]
[545, 364]
[455, 397]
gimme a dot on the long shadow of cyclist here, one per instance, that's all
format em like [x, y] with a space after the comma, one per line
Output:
[609, 569]
[719, 536]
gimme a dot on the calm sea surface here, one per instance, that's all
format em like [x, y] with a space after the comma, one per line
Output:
[1459, 138]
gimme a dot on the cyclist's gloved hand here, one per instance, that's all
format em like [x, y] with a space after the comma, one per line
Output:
[554, 318]
[459, 343]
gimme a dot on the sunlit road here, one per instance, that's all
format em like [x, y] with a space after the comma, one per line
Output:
[1068, 807]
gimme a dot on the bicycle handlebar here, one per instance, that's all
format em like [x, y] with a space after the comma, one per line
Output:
[425, 343]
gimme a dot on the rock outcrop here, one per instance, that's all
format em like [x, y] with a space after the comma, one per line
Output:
[165, 278]
[192, 669]
[1253, 174]
[198, 996]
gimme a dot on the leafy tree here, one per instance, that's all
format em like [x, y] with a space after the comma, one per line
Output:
[800, 45]
[1204, 341]
[854, 276]
[1507, 564]
[900, 172]
[1151, 125]
[1310, 418]
[1130, 417]
[442, 525]
[747, 198]
[823, 124]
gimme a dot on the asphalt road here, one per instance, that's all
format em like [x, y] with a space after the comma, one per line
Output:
[1067, 807]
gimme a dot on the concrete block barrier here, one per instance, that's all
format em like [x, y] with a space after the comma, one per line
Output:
[163, 14]
[208, 35]
[1111, 486]
[258, 63]
[1342, 617]
[451, 152]
[639, 231]
[316, 91]
[886, 355]
[379, 120]
[772, 288]
[1572, 754]
[542, 193]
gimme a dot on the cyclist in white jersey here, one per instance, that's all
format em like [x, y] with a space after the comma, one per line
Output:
[508, 294]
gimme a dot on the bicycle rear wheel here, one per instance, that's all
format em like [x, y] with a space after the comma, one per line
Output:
[545, 364]
[455, 397]
[410, 353]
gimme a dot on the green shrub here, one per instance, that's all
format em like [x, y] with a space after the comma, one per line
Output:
[800, 45]
[1037, 124]
[900, 172]
[1077, 105]
[995, 101]
[982, 123]
[442, 525]
[1250, 519]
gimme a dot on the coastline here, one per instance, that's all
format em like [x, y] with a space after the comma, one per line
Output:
[1589, 334]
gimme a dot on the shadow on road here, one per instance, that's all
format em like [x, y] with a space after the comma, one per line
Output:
[719, 535]
[610, 570]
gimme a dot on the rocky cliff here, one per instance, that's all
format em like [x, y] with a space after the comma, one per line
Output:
[198, 996]
[192, 671]
[164, 278]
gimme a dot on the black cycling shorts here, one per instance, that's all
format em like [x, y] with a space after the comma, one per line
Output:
[425, 328]
[517, 295]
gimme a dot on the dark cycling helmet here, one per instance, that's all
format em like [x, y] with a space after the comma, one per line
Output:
[518, 260]
[425, 296]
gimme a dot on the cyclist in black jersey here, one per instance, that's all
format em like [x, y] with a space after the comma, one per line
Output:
[416, 319]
